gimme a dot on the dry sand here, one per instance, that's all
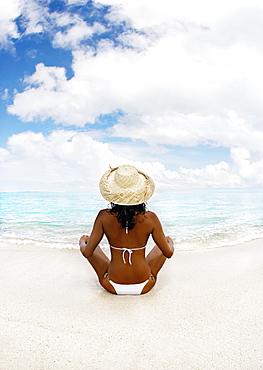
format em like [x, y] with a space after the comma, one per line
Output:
[206, 312]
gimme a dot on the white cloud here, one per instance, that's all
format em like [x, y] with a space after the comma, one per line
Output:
[193, 76]
[70, 160]
[63, 160]
[178, 86]
[215, 176]
[149, 13]
[48, 86]
[5, 94]
[3, 154]
[35, 17]
[8, 12]
[249, 169]
[60, 161]
[191, 130]
[76, 31]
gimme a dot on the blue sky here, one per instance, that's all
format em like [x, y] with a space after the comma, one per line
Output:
[174, 89]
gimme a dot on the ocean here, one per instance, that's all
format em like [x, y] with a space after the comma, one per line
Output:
[195, 219]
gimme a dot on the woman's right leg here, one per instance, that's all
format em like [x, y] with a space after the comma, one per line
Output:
[100, 262]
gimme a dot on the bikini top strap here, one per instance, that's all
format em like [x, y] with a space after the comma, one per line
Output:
[129, 250]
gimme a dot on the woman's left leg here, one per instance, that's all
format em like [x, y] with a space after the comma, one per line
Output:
[155, 260]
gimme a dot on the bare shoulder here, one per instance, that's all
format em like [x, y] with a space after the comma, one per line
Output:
[103, 213]
[151, 215]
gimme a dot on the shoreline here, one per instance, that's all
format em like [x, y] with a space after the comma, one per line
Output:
[205, 312]
[12, 243]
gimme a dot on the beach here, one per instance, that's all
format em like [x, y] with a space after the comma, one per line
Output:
[205, 312]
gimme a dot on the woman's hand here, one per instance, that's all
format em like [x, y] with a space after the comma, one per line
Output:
[83, 241]
[170, 242]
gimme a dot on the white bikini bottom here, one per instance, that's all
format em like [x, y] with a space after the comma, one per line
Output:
[133, 289]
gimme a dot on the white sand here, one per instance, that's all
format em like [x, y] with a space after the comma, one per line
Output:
[206, 312]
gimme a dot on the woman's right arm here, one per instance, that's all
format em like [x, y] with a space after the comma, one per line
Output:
[165, 243]
[89, 243]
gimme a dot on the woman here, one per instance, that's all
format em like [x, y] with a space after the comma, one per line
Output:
[127, 226]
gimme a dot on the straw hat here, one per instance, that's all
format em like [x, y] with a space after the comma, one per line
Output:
[125, 185]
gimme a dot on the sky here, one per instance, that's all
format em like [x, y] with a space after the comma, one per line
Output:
[174, 88]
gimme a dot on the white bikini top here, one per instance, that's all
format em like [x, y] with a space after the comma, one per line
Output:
[129, 250]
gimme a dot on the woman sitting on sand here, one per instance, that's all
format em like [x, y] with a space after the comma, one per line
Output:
[127, 226]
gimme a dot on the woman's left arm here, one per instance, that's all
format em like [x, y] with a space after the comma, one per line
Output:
[89, 243]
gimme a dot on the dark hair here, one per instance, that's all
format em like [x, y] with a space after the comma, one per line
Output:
[126, 215]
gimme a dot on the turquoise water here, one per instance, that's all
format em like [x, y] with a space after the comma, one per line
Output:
[194, 219]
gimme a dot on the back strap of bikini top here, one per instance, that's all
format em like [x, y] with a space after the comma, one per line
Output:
[129, 250]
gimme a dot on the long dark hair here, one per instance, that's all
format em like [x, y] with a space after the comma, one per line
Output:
[126, 215]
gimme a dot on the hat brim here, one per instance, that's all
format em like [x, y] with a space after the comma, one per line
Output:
[133, 195]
